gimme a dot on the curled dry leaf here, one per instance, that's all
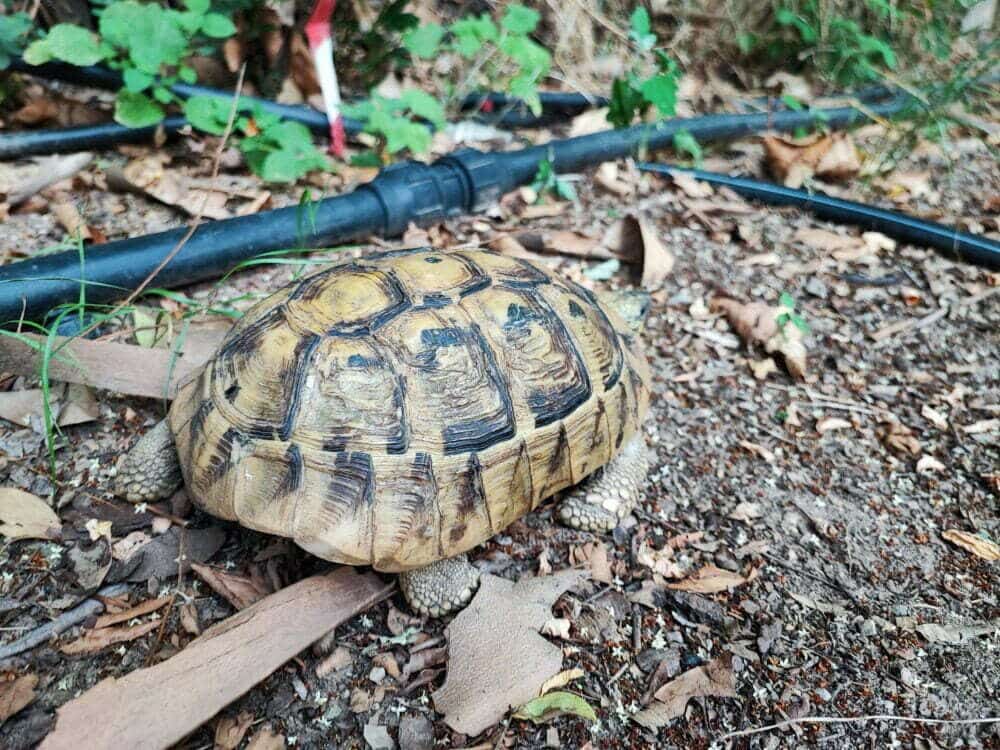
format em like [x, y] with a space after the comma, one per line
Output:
[240, 591]
[899, 438]
[607, 177]
[710, 580]
[95, 640]
[561, 680]
[757, 323]
[659, 561]
[829, 424]
[138, 610]
[595, 555]
[25, 516]
[635, 239]
[977, 545]
[713, 679]
[16, 693]
[230, 730]
[793, 161]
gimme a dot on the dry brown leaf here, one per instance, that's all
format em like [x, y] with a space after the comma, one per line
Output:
[985, 425]
[635, 239]
[929, 465]
[266, 739]
[746, 512]
[561, 680]
[150, 605]
[715, 679]
[240, 591]
[595, 555]
[659, 561]
[230, 730]
[935, 417]
[574, 244]
[791, 85]
[71, 405]
[16, 692]
[899, 438]
[757, 323]
[607, 178]
[829, 424]
[25, 516]
[793, 161]
[95, 640]
[496, 658]
[691, 186]
[977, 545]
[37, 111]
[758, 450]
[761, 368]
[69, 217]
[543, 210]
[556, 627]
[709, 580]
[589, 121]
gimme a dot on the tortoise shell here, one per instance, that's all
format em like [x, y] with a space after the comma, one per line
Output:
[404, 407]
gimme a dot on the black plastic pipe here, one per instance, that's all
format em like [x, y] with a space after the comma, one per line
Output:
[463, 182]
[971, 248]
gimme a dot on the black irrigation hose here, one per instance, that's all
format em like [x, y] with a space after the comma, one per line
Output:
[971, 248]
[463, 182]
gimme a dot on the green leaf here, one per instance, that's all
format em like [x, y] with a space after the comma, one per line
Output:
[186, 74]
[520, 20]
[162, 95]
[152, 36]
[73, 44]
[546, 707]
[197, 6]
[145, 325]
[686, 143]
[472, 33]
[13, 31]
[217, 26]
[533, 58]
[425, 41]
[136, 80]
[209, 114]
[424, 105]
[626, 102]
[37, 52]
[134, 110]
[792, 103]
[661, 92]
[641, 29]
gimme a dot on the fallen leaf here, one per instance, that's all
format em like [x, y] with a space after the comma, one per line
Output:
[97, 529]
[25, 516]
[266, 739]
[561, 680]
[556, 627]
[69, 217]
[977, 545]
[589, 121]
[760, 259]
[544, 210]
[955, 634]
[709, 580]
[829, 424]
[659, 561]
[691, 186]
[547, 707]
[715, 679]
[574, 244]
[240, 591]
[985, 425]
[150, 605]
[606, 177]
[496, 658]
[929, 465]
[603, 271]
[70, 405]
[161, 556]
[899, 438]
[635, 239]
[757, 323]
[758, 450]
[747, 511]
[595, 554]
[793, 161]
[761, 368]
[935, 417]
[791, 85]
[95, 640]
[230, 730]
[16, 693]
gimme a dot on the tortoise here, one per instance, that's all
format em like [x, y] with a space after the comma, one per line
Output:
[398, 409]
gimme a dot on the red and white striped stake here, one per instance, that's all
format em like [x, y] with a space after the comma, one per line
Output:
[321, 47]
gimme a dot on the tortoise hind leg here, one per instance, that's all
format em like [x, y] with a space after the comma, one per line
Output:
[442, 587]
[151, 470]
[603, 500]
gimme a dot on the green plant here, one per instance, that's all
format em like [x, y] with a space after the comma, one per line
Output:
[499, 55]
[547, 181]
[14, 30]
[788, 315]
[651, 81]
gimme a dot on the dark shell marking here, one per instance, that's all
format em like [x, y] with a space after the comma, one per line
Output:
[403, 407]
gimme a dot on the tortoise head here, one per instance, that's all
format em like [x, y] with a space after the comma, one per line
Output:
[631, 304]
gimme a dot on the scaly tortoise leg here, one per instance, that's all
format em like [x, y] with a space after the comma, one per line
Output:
[151, 470]
[603, 500]
[442, 587]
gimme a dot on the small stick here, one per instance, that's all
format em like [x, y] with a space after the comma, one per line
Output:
[65, 621]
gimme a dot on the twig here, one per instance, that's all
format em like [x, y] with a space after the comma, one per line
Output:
[63, 622]
[888, 334]
[852, 720]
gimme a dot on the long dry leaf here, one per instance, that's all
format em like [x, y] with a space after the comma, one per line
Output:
[24, 516]
[95, 640]
[635, 239]
[150, 605]
[977, 545]
[239, 591]
[16, 693]
[709, 580]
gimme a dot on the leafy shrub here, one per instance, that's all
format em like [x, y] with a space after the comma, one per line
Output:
[641, 88]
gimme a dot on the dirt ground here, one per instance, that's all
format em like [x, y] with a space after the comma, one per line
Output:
[855, 604]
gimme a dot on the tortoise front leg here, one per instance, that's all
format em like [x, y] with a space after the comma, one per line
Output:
[151, 470]
[442, 587]
[604, 499]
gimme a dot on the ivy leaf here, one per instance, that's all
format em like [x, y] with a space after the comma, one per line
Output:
[209, 114]
[136, 80]
[424, 105]
[472, 33]
[641, 29]
[13, 29]
[546, 707]
[661, 92]
[217, 26]
[424, 41]
[67, 42]
[151, 35]
[520, 20]
[135, 110]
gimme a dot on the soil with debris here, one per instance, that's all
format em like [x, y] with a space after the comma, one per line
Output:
[827, 507]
